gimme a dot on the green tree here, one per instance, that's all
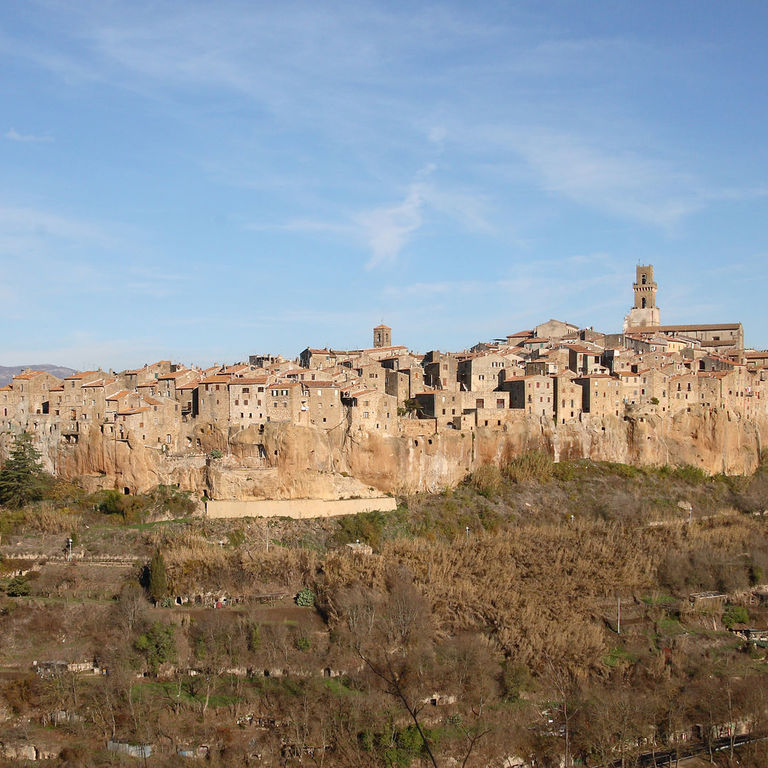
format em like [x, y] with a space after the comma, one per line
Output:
[22, 479]
[157, 645]
[158, 578]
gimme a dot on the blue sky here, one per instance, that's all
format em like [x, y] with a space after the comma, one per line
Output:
[201, 180]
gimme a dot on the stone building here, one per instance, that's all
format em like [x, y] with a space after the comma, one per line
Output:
[480, 372]
[601, 395]
[246, 401]
[534, 394]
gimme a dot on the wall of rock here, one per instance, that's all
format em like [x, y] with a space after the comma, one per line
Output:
[287, 461]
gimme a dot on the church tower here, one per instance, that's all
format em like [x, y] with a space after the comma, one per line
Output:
[382, 336]
[644, 313]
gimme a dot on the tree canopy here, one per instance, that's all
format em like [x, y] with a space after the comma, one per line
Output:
[22, 479]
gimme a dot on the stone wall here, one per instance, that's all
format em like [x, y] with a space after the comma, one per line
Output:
[298, 508]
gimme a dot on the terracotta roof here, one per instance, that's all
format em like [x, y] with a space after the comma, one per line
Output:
[28, 375]
[242, 381]
[132, 411]
[119, 395]
[217, 379]
[235, 368]
[382, 327]
[98, 383]
[174, 374]
[361, 393]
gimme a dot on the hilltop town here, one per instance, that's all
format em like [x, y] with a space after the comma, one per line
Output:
[251, 429]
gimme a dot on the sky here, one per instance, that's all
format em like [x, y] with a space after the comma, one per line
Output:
[203, 181]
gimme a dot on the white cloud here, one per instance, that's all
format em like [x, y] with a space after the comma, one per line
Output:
[14, 135]
[388, 229]
[625, 183]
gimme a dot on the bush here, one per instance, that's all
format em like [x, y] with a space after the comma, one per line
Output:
[170, 500]
[532, 466]
[515, 680]
[17, 587]
[215, 454]
[487, 480]
[735, 614]
[305, 598]
[367, 527]
[157, 645]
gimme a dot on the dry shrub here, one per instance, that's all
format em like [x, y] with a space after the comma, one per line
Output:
[533, 588]
[192, 562]
[487, 480]
[280, 566]
[531, 466]
[45, 518]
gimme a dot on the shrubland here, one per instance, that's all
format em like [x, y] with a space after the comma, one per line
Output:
[483, 626]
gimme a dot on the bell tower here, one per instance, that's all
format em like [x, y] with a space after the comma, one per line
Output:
[644, 313]
[382, 336]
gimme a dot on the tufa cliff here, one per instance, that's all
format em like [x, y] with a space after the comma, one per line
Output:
[283, 461]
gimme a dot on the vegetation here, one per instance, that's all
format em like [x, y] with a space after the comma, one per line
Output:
[22, 479]
[157, 586]
[483, 627]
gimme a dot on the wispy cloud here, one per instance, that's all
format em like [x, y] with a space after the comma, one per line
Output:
[389, 228]
[302, 225]
[14, 135]
[620, 182]
[25, 224]
[386, 230]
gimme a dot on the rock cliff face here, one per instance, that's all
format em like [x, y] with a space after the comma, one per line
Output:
[286, 461]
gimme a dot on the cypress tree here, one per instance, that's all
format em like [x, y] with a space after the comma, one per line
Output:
[158, 579]
[22, 479]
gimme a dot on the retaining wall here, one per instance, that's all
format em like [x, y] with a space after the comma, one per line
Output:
[298, 508]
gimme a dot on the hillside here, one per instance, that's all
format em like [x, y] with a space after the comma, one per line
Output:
[7, 372]
[481, 624]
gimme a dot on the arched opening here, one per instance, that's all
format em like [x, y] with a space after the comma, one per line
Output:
[644, 280]
[643, 304]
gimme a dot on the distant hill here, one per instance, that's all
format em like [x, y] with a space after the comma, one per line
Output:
[7, 372]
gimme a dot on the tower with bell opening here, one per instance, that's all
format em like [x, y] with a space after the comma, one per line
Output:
[644, 313]
[382, 336]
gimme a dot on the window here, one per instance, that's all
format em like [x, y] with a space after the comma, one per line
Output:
[246, 390]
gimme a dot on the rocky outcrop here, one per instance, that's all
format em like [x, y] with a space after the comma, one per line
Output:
[285, 461]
